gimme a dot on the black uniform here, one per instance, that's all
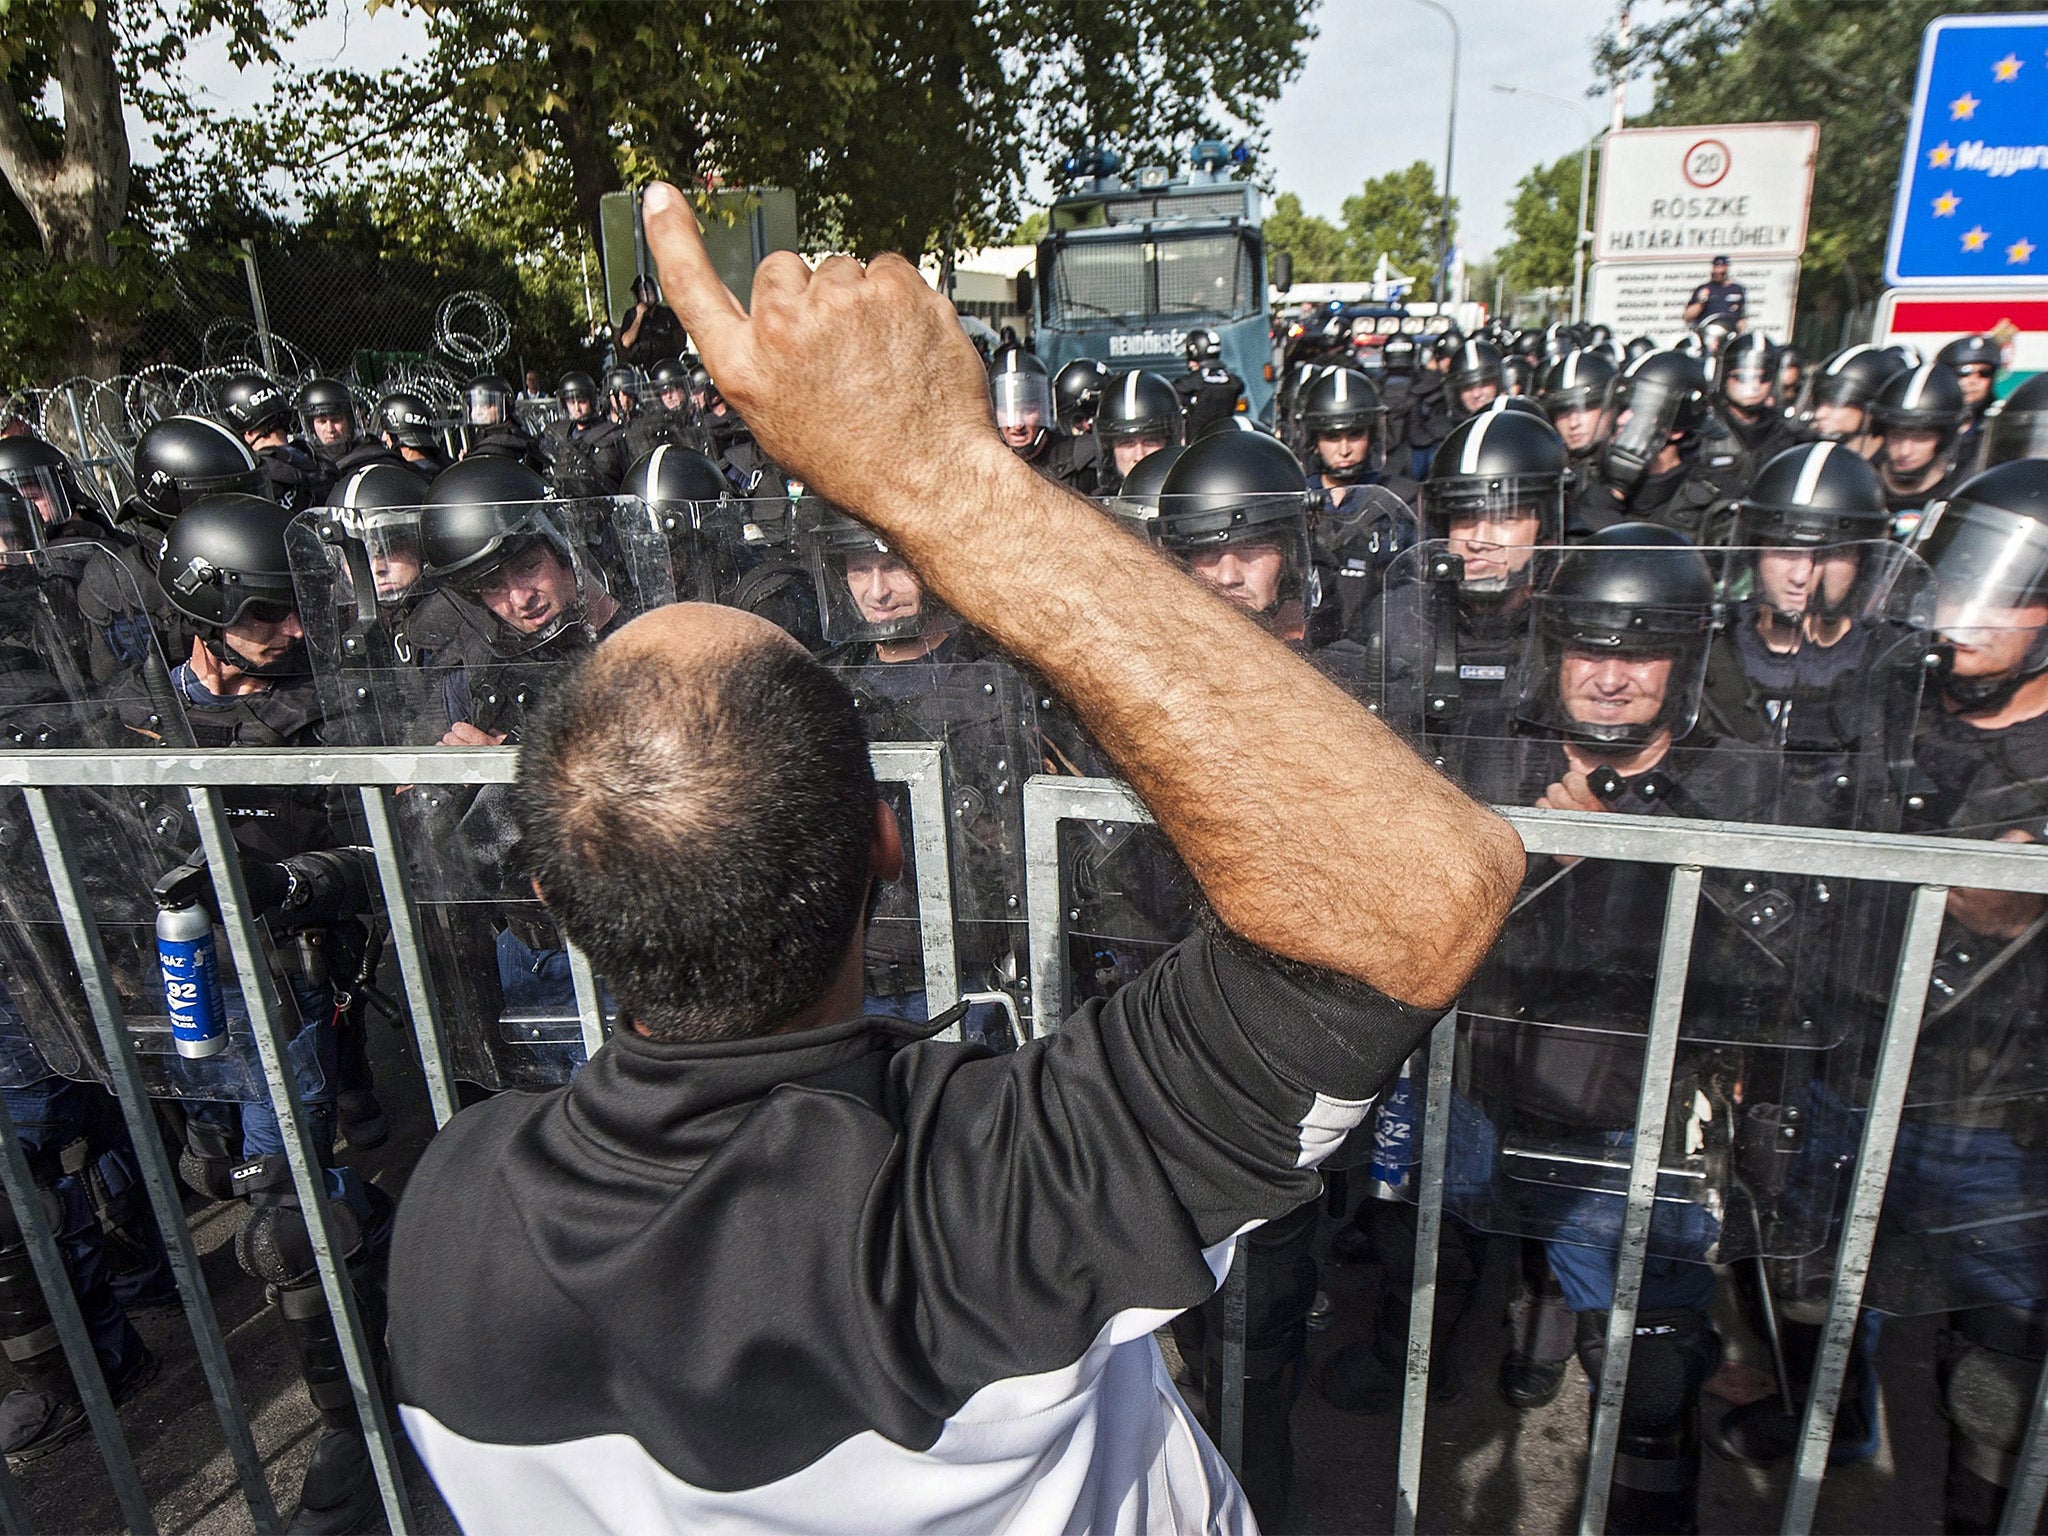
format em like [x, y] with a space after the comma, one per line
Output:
[1209, 394]
[1691, 499]
[292, 477]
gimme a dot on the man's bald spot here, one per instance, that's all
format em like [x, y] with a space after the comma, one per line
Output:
[681, 637]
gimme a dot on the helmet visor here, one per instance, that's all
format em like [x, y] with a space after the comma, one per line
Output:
[1251, 550]
[42, 487]
[2011, 434]
[867, 592]
[1022, 400]
[1612, 675]
[1990, 574]
[1495, 526]
[486, 406]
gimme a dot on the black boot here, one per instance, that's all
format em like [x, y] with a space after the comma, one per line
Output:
[1762, 1434]
[1542, 1334]
[1655, 1489]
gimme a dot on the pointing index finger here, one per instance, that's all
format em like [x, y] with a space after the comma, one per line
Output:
[707, 308]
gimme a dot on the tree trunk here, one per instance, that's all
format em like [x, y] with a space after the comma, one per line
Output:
[79, 196]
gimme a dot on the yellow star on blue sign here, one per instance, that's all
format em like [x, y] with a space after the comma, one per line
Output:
[2006, 68]
[1963, 106]
[1941, 154]
[2021, 250]
[1946, 204]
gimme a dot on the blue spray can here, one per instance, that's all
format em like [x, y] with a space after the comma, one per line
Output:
[186, 950]
[1393, 1139]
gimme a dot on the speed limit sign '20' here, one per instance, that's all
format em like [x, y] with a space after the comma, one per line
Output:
[1706, 163]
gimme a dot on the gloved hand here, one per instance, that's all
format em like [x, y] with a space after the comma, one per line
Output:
[309, 889]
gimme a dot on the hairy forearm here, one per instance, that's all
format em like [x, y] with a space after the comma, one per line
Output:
[1313, 830]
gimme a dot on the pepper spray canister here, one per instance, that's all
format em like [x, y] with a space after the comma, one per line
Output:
[190, 958]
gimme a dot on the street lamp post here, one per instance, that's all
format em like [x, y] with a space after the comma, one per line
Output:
[1443, 254]
[1585, 235]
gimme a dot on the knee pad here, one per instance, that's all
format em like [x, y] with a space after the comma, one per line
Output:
[208, 1159]
[1986, 1391]
[274, 1245]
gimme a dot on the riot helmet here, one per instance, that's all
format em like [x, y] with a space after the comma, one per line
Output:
[578, 394]
[1840, 390]
[1640, 346]
[1791, 373]
[1618, 641]
[1077, 391]
[1139, 414]
[254, 405]
[1746, 374]
[1021, 391]
[1136, 501]
[224, 567]
[487, 403]
[378, 506]
[867, 592]
[1658, 397]
[1916, 417]
[622, 391]
[1234, 509]
[1805, 501]
[407, 421]
[21, 526]
[1573, 389]
[671, 378]
[41, 475]
[1517, 375]
[701, 387]
[1345, 422]
[1519, 405]
[182, 458]
[1474, 377]
[1202, 346]
[2017, 427]
[327, 415]
[1496, 492]
[1988, 548]
[1976, 362]
[1397, 354]
[667, 475]
[489, 534]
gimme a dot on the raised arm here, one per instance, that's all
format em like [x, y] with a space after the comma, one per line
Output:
[1314, 832]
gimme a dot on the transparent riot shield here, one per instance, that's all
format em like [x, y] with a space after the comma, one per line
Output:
[1354, 545]
[404, 659]
[981, 716]
[749, 558]
[1601, 712]
[82, 671]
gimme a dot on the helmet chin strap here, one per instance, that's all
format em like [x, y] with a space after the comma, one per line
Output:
[1348, 476]
[1984, 695]
[291, 664]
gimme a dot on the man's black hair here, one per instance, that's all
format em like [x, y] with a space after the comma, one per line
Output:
[704, 839]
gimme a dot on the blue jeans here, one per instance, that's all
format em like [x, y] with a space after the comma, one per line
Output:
[48, 1116]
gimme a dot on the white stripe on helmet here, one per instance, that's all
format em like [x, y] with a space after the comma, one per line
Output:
[1468, 461]
[1810, 472]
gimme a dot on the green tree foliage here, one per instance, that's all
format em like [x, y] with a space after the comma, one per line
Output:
[901, 124]
[1543, 224]
[1848, 67]
[1397, 213]
[1316, 244]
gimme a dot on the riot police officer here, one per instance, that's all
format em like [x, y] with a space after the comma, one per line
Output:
[247, 682]
[1209, 391]
[1751, 427]
[261, 412]
[2017, 427]
[1137, 415]
[1573, 390]
[670, 418]
[1650, 469]
[1839, 392]
[327, 421]
[492, 428]
[1917, 419]
[1976, 361]
[177, 461]
[406, 423]
[1076, 392]
[622, 395]
[1021, 390]
[1959, 1233]
[43, 476]
[581, 447]
[1367, 516]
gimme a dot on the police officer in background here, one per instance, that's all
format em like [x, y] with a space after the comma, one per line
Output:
[491, 426]
[1022, 393]
[1746, 414]
[1972, 1158]
[327, 421]
[1076, 392]
[406, 423]
[1573, 390]
[1716, 296]
[1839, 392]
[670, 418]
[177, 461]
[580, 448]
[1650, 469]
[1209, 391]
[650, 329]
[247, 682]
[261, 412]
[1367, 516]
[1918, 419]
[2017, 427]
[1137, 414]
[1976, 361]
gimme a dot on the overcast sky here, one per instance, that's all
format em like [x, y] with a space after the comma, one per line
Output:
[1372, 98]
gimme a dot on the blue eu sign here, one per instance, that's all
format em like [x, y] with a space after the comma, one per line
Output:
[1973, 190]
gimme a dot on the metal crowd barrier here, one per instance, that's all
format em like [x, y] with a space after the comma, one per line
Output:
[376, 774]
[1930, 865]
